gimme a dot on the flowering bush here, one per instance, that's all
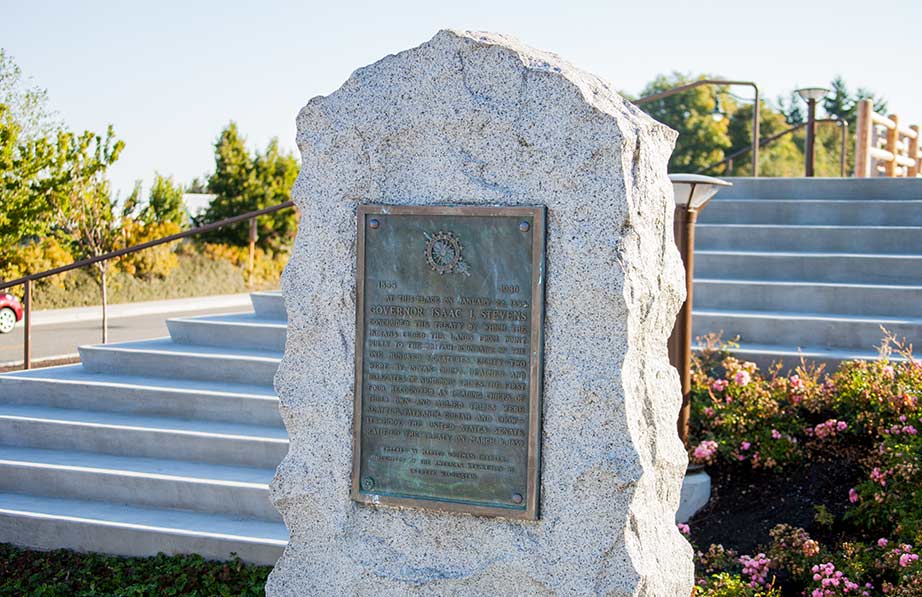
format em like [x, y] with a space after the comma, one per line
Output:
[865, 412]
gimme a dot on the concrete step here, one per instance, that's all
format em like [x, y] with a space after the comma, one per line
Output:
[164, 358]
[863, 268]
[269, 305]
[233, 444]
[243, 330]
[830, 212]
[850, 239]
[147, 482]
[836, 332]
[764, 355]
[857, 189]
[72, 386]
[45, 523]
[813, 297]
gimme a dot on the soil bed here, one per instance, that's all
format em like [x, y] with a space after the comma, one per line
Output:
[745, 505]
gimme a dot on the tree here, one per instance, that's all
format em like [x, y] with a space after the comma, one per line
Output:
[80, 194]
[841, 103]
[164, 204]
[781, 157]
[26, 211]
[244, 183]
[27, 105]
[702, 140]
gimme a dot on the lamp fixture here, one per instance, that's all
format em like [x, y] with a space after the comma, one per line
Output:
[812, 93]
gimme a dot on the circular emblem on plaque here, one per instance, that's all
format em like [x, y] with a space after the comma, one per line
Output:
[443, 252]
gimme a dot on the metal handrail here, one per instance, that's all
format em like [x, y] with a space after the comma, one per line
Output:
[756, 109]
[768, 140]
[26, 281]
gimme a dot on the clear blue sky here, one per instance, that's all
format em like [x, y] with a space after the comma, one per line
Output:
[169, 75]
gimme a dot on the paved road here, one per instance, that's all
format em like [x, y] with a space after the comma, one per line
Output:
[64, 338]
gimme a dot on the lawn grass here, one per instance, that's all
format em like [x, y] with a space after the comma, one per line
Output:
[67, 573]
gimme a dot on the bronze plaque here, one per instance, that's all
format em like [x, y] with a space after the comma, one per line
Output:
[448, 368]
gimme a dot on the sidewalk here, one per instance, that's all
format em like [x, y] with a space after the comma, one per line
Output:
[55, 316]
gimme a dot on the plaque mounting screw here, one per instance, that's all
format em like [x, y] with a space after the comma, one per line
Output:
[368, 483]
[524, 227]
[374, 223]
[517, 497]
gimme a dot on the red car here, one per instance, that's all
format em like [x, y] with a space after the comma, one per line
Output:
[10, 312]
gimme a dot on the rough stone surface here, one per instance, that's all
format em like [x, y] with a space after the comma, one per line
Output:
[480, 119]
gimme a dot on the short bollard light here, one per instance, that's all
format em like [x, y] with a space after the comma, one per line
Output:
[692, 194]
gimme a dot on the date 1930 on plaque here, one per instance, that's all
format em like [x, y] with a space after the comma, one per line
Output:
[448, 371]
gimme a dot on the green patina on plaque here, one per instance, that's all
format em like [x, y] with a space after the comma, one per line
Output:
[449, 313]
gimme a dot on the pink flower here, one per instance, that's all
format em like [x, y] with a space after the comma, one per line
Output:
[776, 434]
[888, 372]
[742, 378]
[907, 559]
[708, 411]
[882, 542]
[852, 495]
[719, 385]
[704, 452]
[745, 446]
[841, 426]
[683, 528]
[756, 568]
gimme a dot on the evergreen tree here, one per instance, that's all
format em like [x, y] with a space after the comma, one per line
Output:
[165, 204]
[244, 183]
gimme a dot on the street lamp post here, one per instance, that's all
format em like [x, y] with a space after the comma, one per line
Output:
[717, 111]
[811, 95]
[692, 194]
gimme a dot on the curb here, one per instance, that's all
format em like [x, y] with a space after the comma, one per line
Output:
[53, 316]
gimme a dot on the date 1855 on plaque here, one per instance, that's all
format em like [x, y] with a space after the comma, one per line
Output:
[449, 312]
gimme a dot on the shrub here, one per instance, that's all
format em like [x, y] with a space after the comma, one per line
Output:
[866, 412]
[64, 573]
[267, 266]
[33, 257]
[156, 261]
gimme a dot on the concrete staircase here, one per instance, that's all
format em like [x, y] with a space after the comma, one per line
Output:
[810, 266]
[164, 445]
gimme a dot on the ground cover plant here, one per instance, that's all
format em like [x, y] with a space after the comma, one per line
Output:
[67, 573]
[817, 476]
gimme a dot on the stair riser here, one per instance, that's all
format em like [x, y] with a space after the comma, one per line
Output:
[789, 362]
[238, 336]
[834, 335]
[46, 533]
[854, 240]
[828, 213]
[269, 306]
[811, 299]
[140, 442]
[128, 400]
[199, 367]
[847, 269]
[852, 189]
[138, 490]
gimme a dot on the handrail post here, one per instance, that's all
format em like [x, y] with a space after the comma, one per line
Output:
[251, 260]
[863, 139]
[893, 136]
[843, 148]
[914, 152]
[27, 325]
[755, 133]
